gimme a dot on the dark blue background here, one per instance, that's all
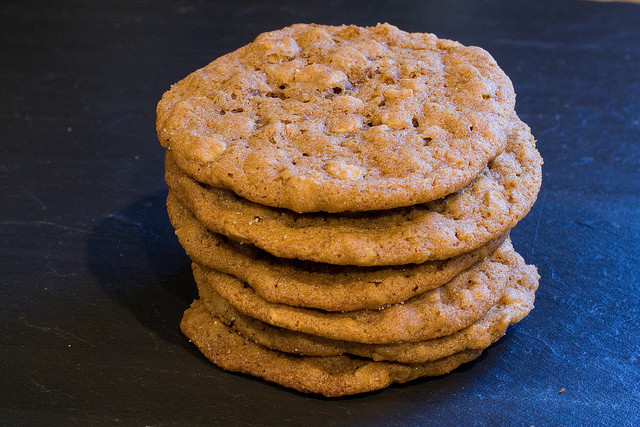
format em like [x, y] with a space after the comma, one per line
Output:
[93, 282]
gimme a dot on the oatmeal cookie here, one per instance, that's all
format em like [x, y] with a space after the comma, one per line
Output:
[340, 118]
[514, 305]
[436, 313]
[330, 376]
[315, 285]
[489, 206]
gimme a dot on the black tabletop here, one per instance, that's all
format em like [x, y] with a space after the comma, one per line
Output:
[93, 282]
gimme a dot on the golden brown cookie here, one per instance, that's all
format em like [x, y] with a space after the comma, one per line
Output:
[514, 305]
[308, 284]
[441, 311]
[488, 207]
[322, 118]
[329, 376]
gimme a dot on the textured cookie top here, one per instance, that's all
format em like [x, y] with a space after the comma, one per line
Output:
[321, 118]
[492, 204]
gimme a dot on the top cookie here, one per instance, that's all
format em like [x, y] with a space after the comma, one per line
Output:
[322, 118]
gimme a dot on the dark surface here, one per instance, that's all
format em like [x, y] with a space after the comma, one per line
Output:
[93, 281]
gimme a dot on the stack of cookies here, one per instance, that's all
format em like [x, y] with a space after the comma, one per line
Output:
[346, 195]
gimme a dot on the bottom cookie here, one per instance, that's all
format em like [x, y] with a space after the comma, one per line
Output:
[331, 376]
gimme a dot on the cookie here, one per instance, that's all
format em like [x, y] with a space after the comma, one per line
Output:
[433, 314]
[329, 376]
[515, 304]
[322, 118]
[323, 286]
[491, 205]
